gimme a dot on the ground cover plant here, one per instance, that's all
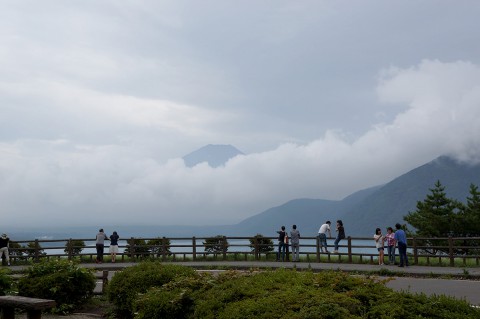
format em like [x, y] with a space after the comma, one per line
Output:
[61, 280]
[128, 284]
[289, 294]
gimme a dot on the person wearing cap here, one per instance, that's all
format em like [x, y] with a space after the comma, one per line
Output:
[4, 242]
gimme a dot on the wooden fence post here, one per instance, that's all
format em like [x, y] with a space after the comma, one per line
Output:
[318, 249]
[37, 252]
[415, 251]
[194, 248]
[224, 247]
[450, 251]
[350, 259]
[164, 249]
[70, 249]
[132, 248]
[255, 246]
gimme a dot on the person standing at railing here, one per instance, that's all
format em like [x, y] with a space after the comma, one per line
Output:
[4, 243]
[379, 239]
[281, 244]
[322, 235]
[113, 249]
[390, 245]
[401, 240]
[100, 245]
[340, 235]
[295, 242]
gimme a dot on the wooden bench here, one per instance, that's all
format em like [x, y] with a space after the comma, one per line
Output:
[33, 306]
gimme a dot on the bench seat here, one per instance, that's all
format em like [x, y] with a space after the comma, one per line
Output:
[33, 306]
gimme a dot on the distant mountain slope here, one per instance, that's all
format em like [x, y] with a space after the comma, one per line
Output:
[308, 214]
[389, 204]
[214, 155]
[365, 210]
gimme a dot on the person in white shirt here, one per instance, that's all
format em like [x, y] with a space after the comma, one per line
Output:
[322, 235]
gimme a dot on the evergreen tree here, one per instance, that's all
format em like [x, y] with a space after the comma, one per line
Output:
[435, 216]
[156, 246]
[471, 213]
[216, 245]
[76, 246]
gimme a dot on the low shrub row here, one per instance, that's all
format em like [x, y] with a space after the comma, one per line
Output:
[153, 290]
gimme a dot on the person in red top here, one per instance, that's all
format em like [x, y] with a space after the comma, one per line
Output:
[390, 245]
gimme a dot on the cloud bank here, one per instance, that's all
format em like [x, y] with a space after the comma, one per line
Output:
[90, 176]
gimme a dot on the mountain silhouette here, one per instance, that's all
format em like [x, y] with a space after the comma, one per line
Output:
[213, 155]
[363, 211]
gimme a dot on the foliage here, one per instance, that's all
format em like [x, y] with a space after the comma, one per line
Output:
[157, 246]
[291, 294]
[439, 216]
[32, 249]
[126, 285]
[216, 245]
[139, 248]
[261, 244]
[61, 280]
[74, 246]
[18, 251]
[5, 282]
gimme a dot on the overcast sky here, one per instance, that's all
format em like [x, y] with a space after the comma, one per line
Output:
[99, 100]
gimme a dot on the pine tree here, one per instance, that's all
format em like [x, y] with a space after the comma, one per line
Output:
[471, 213]
[435, 216]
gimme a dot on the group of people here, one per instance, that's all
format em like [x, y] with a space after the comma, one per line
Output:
[100, 245]
[283, 242]
[392, 239]
[322, 235]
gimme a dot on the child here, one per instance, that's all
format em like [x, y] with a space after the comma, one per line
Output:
[390, 245]
[379, 239]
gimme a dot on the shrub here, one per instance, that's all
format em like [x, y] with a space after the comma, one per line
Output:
[292, 294]
[5, 282]
[216, 245]
[157, 245]
[61, 280]
[74, 247]
[126, 285]
[261, 244]
[137, 247]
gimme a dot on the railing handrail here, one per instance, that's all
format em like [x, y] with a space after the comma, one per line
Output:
[193, 245]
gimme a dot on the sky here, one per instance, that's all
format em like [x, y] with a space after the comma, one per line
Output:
[99, 101]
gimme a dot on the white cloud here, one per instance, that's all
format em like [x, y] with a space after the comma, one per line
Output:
[62, 182]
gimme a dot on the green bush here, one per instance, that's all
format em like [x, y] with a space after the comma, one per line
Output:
[291, 294]
[61, 280]
[5, 282]
[125, 286]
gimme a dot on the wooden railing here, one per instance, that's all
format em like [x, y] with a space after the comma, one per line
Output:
[426, 251]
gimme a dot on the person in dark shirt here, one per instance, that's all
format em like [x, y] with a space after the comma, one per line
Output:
[114, 245]
[282, 246]
[4, 243]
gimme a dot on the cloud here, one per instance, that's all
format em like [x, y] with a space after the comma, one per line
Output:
[62, 181]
